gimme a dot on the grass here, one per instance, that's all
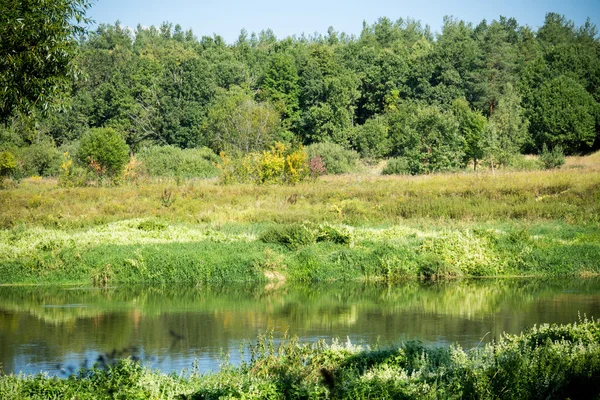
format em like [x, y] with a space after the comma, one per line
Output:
[351, 227]
[568, 194]
[152, 251]
[546, 362]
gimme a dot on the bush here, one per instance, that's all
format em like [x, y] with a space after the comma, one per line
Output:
[41, 159]
[291, 236]
[71, 175]
[104, 151]
[8, 163]
[174, 162]
[371, 139]
[281, 164]
[397, 166]
[328, 233]
[337, 159]
[552, 159]
[428, 137]
[521, 163]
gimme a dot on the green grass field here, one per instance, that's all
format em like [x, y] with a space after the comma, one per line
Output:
[353, 227]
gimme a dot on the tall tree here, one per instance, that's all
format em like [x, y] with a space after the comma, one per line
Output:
[506, 133]
[471, 126]
[564, 114]
[39, 40]
[495, 66]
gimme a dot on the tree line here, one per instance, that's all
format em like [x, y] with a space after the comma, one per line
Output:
[466, 95]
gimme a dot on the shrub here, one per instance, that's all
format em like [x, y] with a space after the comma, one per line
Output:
[428, 137]
[104, 150]
[336, 158]
[41, 159]
[522, 163]
[552, 159]
[281, 164]
[8, 163]
[71, 175]
[174, 162]
[328, 233]
[316, 167]
[371, 139]
[397, 166]
[291, 236]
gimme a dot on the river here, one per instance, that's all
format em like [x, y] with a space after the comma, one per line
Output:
[58, 330]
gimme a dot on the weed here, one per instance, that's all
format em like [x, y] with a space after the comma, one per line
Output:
[167, 198]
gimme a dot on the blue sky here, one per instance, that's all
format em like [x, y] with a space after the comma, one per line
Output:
[285, 18]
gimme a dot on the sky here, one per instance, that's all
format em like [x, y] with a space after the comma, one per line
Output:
[286, 18]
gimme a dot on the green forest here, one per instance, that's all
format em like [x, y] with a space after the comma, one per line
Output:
[472, 95]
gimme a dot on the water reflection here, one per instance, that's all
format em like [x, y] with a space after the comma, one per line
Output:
[61, 329]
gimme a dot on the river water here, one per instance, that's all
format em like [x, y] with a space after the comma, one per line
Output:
[61, 329]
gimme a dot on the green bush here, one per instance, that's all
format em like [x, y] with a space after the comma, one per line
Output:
[291, 236]
[552, 159]
[41, 159]
[521, 163]
[397, 166]
[336, 158]
[371, 139]
[328, 233]
[174, 162]
[104, 151]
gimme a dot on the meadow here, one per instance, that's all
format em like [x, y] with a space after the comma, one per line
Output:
[359, 226]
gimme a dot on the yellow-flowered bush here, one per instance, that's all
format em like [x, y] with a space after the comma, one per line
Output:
[280, 164]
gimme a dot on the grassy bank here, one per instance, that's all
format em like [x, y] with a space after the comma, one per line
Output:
[353, 227]
[156, 252]
[548, 362]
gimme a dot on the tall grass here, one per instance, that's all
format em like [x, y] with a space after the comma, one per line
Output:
[158, 252]
[546, 362]
[569, 194]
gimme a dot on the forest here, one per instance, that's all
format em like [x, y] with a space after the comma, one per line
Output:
[471, 95]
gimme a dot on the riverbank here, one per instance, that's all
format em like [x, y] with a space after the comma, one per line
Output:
[547, 362]
[152, 251]
[354, 227]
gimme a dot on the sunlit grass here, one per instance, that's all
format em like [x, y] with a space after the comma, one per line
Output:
[571, 194]
[545, 362]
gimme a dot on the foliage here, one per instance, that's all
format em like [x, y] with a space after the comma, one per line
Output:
[171, 161]
[564, 114]
[316, 167]
[104, 151]
[471, 125]
[371, 139]
[36, 52]
[544, 362]
[41, 159]
[8, 163]
[281, 164]
[291, 236]
[520, 162]
[552, 159]
[506, 132]
[71, 175]
[428, 137]
[397, 166]
[369, 93]
[237, 124]
[294, 236]
[336, 158]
